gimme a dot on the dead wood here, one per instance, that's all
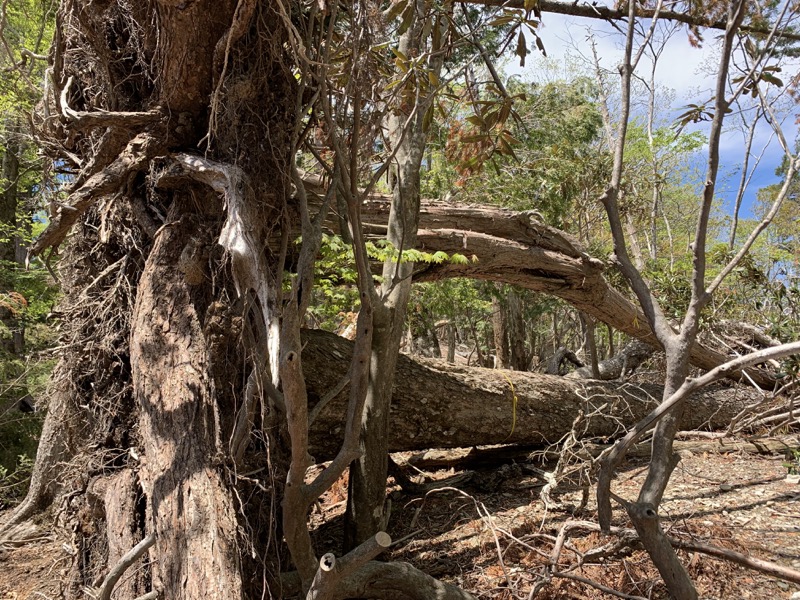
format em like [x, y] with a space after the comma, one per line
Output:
[110, 180]
[439, 405]
[626, 361]
[518, 249]
[629, 538]
[756, 564]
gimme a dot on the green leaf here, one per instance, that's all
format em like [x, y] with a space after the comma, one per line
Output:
[540, 46]
[500, 21]
[506, 149]
[408, 18]
[427, 119]
[770, 78]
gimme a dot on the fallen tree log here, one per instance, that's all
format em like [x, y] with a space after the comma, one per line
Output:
[439, 405]
[517, 248]
[627, 360]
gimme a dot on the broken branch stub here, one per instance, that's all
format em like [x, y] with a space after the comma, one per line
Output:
[133, 159]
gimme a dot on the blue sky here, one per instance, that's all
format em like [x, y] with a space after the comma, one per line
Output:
[686, 70]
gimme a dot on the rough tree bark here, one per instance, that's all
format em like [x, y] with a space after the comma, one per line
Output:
[437, 404]
[189, 506]
[151, 325]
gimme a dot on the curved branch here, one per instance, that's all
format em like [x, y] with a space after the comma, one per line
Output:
[134, 554]
[105, 118]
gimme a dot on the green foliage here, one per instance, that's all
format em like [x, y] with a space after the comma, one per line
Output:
[456, 298]
[542, 150]
[336, 277]
[781, 306]
[28, 28]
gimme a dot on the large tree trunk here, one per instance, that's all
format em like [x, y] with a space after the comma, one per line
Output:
[189, 505]
[437, 404]
[152, 371]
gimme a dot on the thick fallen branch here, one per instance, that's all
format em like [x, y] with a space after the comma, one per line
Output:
[331, 571]
[385, 581]
[627, 360]
[516, 248]
[437, 404]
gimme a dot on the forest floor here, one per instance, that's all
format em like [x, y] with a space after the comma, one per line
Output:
[738, 501]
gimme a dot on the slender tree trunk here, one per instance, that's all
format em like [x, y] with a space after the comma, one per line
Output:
[516, 333]
[451, 342]
[8, 198]
[365, 514]
[588, 325]
[500, 331]
[9, 204]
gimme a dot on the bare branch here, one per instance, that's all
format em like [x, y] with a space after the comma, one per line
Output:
[700, 297]
[134, 554]
[605, 13]
[613, 458]
[105, 118]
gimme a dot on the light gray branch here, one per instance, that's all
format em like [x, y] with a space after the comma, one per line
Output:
[134, 554]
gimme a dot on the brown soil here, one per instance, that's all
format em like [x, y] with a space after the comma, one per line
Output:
[736, 501]
[33, 570]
